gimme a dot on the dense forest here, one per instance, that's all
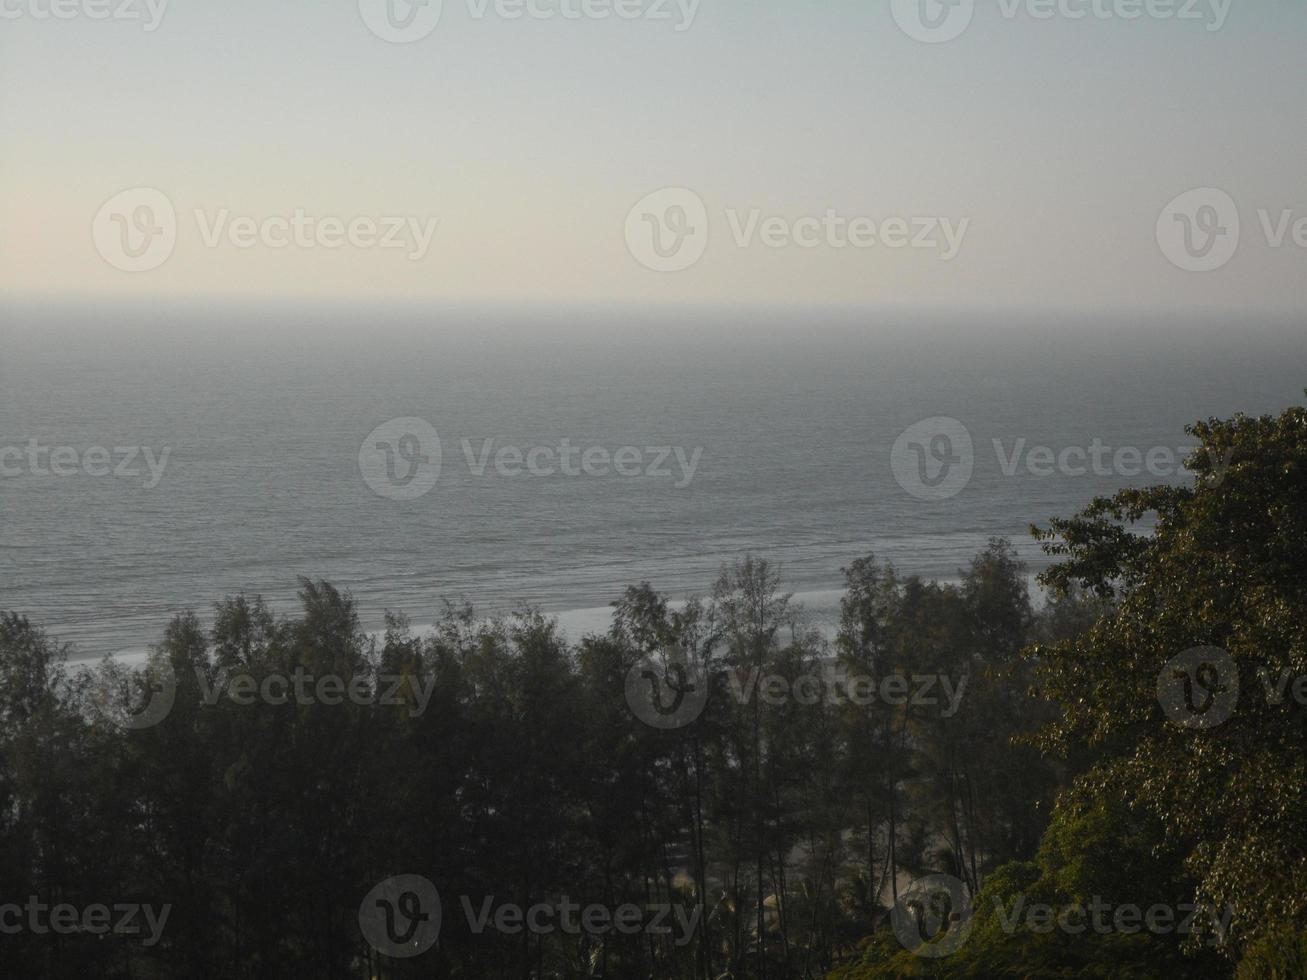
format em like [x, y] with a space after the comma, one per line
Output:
[964, 781]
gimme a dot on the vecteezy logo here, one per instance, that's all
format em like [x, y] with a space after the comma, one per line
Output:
[1199, 689]
[400, 460]
[136, 230]
[933, 917]
[667, 691]
[162, 685]
[934, 459]
[1199, 230]
[933, 21]
[401, 21]
[667, 231]
[400, 918]
[158, 687]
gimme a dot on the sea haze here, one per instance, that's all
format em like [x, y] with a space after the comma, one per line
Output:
[264, 413]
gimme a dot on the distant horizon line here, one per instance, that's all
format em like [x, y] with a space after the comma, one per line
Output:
[337, 304]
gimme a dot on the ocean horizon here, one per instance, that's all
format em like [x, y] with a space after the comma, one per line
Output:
[777, 441]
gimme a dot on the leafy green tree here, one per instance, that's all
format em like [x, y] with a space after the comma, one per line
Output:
[1091, 862]
[1223, 566]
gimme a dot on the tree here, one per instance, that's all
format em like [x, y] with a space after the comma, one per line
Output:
[1225, 567]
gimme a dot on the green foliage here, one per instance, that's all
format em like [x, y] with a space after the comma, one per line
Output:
[1278, 956]
[1166, 814]
[794, 823]
[1088, 858]
[1225, 566]
[527, 778]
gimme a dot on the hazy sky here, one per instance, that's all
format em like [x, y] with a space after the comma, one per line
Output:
[1034, 156]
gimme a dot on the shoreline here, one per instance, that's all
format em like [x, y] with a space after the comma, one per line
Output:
[820, 608]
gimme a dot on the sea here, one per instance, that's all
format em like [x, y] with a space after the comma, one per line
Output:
[159, 455]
